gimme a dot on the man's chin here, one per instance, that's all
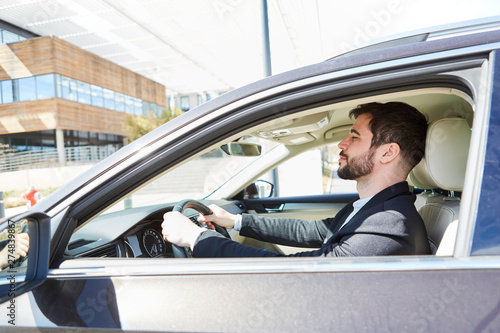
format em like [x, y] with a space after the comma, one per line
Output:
[344, 175]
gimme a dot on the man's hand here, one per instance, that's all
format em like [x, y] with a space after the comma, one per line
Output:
[21, 247]
[179, 230]
[220, 217]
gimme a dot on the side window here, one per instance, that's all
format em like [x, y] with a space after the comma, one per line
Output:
[313, 172]
[486, 238]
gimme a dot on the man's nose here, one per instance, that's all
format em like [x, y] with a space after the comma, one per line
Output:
[343, 144]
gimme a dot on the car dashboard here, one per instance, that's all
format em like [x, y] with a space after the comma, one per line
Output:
[131, 233]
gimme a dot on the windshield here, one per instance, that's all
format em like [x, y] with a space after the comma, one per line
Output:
[195, 179]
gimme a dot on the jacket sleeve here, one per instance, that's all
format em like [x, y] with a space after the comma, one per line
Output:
[285, 231]
[383, 233]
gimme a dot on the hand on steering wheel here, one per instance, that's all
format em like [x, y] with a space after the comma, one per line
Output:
[179, 230]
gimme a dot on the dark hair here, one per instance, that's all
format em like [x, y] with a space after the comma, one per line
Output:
[396, 122]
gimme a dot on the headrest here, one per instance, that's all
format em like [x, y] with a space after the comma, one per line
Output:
[445, 159]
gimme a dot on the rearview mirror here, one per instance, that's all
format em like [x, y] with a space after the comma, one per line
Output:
[242, 149]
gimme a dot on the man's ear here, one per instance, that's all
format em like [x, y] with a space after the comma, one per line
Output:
[389, 152]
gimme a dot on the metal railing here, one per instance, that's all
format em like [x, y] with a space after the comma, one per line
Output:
[50, 157]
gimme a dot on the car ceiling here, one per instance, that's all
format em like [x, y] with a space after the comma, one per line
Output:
[331, 123]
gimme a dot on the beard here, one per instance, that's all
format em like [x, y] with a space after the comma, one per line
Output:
[357, 166]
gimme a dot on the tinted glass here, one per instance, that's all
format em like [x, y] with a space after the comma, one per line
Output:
[137, 107]
[487, 231]
[83, 92]
[185, 103]
[109, 99]
[129, 105]
[7, 94]
[97, 96]
[68, 88]
[27, 90]
[45, 86]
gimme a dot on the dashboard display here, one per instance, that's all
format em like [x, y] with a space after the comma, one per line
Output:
[153, 243]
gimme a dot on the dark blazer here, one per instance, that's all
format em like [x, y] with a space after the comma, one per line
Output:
[388, 224]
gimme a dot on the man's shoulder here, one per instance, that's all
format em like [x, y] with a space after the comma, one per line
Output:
[394, 197]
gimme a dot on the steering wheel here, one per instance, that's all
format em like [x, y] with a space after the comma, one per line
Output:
[181, 252]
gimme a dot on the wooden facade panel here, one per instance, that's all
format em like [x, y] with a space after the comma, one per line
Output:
[43, 55]
[36, 54]
[81, 117]
[3, 74]
[59, 114]
[28, 116]
[85, 66]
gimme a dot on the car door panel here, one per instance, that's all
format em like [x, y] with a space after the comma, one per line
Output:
[318, 300]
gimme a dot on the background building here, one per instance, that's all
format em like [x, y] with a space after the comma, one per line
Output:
[55, 96]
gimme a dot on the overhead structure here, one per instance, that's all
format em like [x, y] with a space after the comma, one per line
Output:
[198, 45]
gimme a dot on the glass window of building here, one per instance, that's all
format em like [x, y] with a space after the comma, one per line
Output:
[18, 143]
[185, 103]
[83, 138]
[10, 37]
[27, 89]
[154, 108]
[129, 104]
[109, 99]
[172, 102]
[45, 86]
[97, 96]
[15, 90]
[70, 138]
[33, 140]
[145, 108]
[48, 138]
[67, 88]
[83, 93]
[137, 106]
[7, 93]
[93, 139]
[102, 138]
[120, 102]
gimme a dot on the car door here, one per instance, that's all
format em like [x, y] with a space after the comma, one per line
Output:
[422, 293]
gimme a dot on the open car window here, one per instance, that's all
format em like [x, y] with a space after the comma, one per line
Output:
[195, 179]
[301, 146]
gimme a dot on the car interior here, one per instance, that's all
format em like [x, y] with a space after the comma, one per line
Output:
[438, 180]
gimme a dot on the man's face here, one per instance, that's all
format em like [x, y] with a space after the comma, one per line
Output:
[356, 157]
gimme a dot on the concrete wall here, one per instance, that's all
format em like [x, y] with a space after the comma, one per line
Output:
[41, 178]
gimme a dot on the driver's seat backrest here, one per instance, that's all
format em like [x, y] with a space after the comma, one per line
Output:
[442, 167]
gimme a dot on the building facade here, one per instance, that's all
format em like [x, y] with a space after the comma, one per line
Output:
[54, 95]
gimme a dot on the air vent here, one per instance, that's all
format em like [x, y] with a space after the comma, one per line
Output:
[104, 252]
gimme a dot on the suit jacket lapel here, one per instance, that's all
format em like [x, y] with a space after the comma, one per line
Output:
[381, 197]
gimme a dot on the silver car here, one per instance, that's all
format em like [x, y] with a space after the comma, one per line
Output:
[97, 259]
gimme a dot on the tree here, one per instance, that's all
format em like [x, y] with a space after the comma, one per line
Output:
[137, 126]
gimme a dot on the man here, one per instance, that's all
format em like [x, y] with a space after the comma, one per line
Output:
[385, 142]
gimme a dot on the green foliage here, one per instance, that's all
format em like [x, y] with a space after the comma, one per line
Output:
[138, 126]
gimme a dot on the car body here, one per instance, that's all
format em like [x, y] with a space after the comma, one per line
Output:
[97, 259]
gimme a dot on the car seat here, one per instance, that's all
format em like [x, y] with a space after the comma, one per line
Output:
[442, 167]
